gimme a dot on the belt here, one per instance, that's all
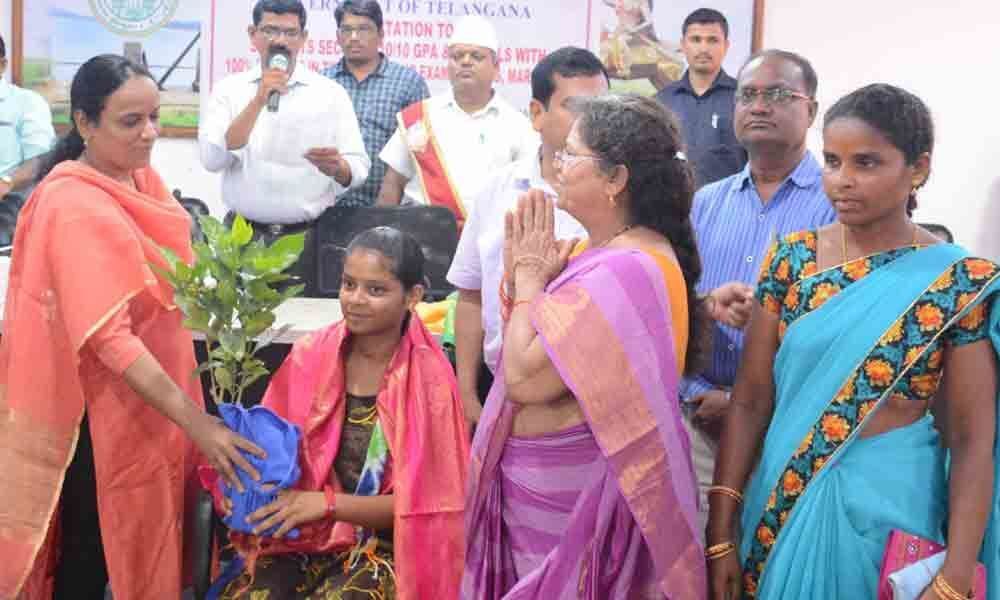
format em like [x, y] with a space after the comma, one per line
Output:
[277, 229]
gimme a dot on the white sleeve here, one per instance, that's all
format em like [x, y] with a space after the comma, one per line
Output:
[348, 140]
[466, 271]
[397, 155]
[528, 140]
[213, 124]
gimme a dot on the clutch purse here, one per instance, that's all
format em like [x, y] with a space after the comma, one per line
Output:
[910, 563]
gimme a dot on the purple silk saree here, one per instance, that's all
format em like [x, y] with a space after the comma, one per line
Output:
[605, 510]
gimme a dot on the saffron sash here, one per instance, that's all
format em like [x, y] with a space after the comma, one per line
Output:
[439, 189]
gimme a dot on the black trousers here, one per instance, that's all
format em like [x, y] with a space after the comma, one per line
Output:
[82, 573]
[485, 382]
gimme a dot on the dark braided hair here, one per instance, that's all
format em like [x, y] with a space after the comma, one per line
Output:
[639, 133]
[900, 116]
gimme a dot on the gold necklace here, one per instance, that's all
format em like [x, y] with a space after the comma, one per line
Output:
[843, 239]
[617, 233]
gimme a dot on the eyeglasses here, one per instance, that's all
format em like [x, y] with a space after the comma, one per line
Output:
[362, 31]
[771, 97]
[274, 33]
[567, 160]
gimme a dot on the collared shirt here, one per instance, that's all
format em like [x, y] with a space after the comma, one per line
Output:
[269, 180]
[474, 146]
[478, 262]
[707, 125]
[25, 127]
[734, 229]
[390, 88]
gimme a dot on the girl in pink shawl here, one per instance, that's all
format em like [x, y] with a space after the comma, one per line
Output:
[581, 479]
[384, 449]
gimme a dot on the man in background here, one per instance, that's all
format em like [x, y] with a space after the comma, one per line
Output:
[702, 98]
[448, 146]
[378, 87]
[25, 132]
[778, 192]
[286, 139]
[556, 82]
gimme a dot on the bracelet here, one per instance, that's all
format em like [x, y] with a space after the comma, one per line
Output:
[719, 550]
[725, 491]
[519, 303]
[943, 588]
[331, 500]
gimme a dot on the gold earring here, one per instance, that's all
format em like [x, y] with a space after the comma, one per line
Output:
[612, 201]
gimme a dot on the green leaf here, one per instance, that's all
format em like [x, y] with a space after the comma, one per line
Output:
[279, 256]
[223, 378]
[293, 291]
[260, 291]
[212, 228]
[256, 324]
[166, 274]
[241, 232]
[232, 341]
[226, 293]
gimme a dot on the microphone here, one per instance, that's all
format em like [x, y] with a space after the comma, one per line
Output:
[278, 60]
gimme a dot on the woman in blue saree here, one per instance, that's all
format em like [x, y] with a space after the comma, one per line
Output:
[861, 328]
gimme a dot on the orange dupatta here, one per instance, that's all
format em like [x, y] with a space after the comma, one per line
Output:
[81, 252]
[424, 426]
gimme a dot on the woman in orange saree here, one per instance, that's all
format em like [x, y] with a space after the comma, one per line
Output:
[96, 393]
[379, 506]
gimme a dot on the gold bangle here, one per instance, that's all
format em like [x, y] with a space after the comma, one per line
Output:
[725, 491]
[943, 588]
[719, 550]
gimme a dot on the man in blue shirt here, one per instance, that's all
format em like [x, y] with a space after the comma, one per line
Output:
[703, 98]
[780, 191]
[378, 87]
[25, 132]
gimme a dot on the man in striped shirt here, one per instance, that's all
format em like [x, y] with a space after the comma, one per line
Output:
[736, 219]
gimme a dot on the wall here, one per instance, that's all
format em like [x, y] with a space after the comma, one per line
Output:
[924, 46]
[945, 52]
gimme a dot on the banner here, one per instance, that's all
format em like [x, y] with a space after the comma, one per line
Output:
[639, 40]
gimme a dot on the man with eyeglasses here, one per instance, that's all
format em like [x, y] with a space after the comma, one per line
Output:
[703, 98]
[736, 220]
[448, 146]
[558, 82]
[379, 87]
[282, 166]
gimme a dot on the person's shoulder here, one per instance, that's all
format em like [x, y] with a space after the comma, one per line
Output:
[666, 94]
[716, 191]
[502, 182]
[506, 109]
[30, 98]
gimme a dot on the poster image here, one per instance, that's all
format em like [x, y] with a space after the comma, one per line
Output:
[639, 41]
[60, 35]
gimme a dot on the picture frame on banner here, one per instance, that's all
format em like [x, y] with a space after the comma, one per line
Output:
[52, 38]
[639, 41]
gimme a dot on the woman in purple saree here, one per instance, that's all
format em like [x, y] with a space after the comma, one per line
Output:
[581, 482]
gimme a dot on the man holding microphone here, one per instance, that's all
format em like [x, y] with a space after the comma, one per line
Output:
[286, 139]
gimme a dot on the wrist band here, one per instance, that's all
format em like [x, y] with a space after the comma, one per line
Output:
[726, 491]
[943, 588]
[719, 550]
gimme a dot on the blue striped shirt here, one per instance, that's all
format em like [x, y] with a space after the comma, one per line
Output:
[734, 229]
[390, 88]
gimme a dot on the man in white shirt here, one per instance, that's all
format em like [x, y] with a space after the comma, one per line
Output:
[282, 165]
[477, 270]
[446, 147]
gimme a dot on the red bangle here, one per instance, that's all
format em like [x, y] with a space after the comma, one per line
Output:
[331, 500]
